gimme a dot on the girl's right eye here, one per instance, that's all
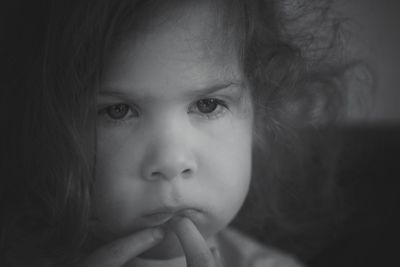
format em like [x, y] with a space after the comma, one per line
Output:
[119, 112]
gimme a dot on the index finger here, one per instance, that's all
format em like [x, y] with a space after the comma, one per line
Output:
[118, 252]
[195, 247]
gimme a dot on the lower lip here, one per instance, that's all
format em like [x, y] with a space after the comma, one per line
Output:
[190, 213]
[159, 218]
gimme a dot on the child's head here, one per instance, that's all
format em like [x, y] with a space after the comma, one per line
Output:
[174, 129]
[158, 107]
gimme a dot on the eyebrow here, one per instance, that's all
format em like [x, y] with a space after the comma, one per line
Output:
[121, 93]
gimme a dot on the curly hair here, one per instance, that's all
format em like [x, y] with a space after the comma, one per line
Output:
[295, 73]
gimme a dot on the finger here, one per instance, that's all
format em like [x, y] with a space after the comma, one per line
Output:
[195, 247]
[118, 252]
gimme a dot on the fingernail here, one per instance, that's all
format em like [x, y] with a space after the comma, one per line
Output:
[158, 234]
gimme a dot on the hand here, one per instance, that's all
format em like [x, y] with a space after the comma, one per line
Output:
[196, 250]
[119, 252]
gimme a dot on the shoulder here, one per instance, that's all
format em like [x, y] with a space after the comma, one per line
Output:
[239, 250]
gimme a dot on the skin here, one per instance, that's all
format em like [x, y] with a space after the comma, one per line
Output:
[119, 252]
[166, 143]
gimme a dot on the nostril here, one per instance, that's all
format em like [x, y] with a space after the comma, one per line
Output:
[153, 174]
[187, 171]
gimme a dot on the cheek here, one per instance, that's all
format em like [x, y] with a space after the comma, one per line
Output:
[229, 165]
[238, 168]
[118, 154]
[114, 190]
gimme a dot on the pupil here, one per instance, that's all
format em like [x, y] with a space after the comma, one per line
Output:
[207, 105]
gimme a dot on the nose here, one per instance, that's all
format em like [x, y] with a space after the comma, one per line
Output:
[169, 156]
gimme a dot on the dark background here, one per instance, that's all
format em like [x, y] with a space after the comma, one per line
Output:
[370, 177]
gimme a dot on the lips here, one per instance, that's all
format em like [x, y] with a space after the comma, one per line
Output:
[157, 218]
[161, 216]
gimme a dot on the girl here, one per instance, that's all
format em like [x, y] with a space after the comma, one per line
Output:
[144, 124]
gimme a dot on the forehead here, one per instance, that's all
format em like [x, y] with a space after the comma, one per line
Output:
[184, 44]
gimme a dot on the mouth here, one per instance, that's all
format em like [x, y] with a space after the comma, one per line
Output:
[161, 216]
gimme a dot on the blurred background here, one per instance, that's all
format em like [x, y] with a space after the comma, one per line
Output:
[369, 173]
[374, 34]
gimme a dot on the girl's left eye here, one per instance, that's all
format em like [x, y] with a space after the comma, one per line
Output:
[209, 107]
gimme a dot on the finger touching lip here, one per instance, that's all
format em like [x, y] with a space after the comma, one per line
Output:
[163, 216]
[194, 245]
[155, 219]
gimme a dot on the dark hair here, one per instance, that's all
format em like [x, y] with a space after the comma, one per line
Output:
[294, 72]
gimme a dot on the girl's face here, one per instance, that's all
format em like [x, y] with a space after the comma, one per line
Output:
[174, 132]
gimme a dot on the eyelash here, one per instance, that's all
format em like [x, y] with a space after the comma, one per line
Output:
[221, 108]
